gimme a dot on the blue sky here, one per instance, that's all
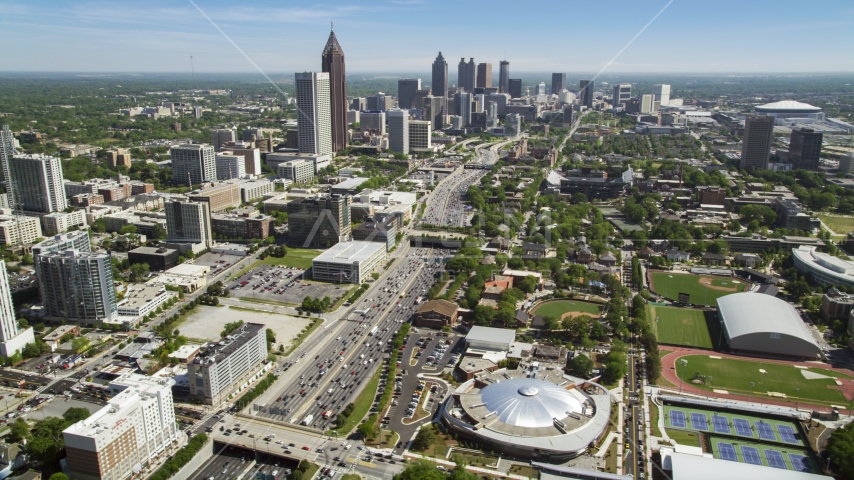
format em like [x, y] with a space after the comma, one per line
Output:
[405, 35]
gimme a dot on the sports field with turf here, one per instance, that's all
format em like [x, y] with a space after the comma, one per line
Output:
[560, 308]
[703, 289]
[679, 326]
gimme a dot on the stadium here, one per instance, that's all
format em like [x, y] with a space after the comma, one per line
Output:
[529, 413]
[761, 324]
[789, 109]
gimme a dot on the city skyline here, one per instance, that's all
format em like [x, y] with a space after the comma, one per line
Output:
[84, 36]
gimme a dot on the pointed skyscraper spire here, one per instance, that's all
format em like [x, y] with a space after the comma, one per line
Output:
[332, 61]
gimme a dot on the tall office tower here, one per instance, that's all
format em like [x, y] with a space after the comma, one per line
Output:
[846, 163]
[503, 77]
[558, 82]
[492, 114]
[514, 87]
[188, 222]
[585, 93]
[320, 221]
[437, 105]
[193, 164]
[359, 103]
[406, 91]
[756, 143]
[541, 88]
[230, 165]
[219, 136]
[439, 85]
[568, 115]
[38, 183]
[479, 103]
[314, 122]
[465, 107]
[622, 94]
[398, 130]
[467, 75]
[484, 75]
[333, 64]
[501, 100]
[12, 337]
[805, 148]
[7, 151]
[513, 124]
[420, 137]
[133, 429]
[77, 286]
[373, 121]
[661, 94]
[646, 105]
[420, 98]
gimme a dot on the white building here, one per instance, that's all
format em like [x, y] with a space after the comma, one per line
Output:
[12, 337]
[15, 230]
[349, 262]
[76, 240]
[297, 171]
[255, 189]
[221, 368]
[140, 300]
[661, 95]
[421, 136]
[230, 165]
[320, 162]
[60, 222]
[135, 427]
[513, 124]
[398, 131]
[314, 122]
[38, 183]
[490, 339]
[824, 268]
[193, 164]
[188, 222]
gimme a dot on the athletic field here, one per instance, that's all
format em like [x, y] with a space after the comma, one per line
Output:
[559, 308]
[679, 326]
[703, 290]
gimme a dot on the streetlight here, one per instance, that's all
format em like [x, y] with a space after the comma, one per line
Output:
[764, 375]
[681, 380]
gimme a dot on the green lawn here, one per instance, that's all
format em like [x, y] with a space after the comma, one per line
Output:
[680, 326]
[839, 225]
[559, 307]
[362, 405]
[296, 257]
[735, 376]
[683, 438]
[670, 285]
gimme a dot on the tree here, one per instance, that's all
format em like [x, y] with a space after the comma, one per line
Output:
[581, 366]
[128, 229]
[840, 449]
[424, 439]
[528, 284]
[516, 263]
[483, 315]
[366, 429]
[58, 476]
[551, 323]
[19, 431]
[76, 414]
[421, 470]
[137, 272]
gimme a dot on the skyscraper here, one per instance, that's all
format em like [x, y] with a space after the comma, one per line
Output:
[467, 75]
[661, 94]
[585, 93]
[193, 164]
[805, 148]
[484, 75]
[514, 87]
[504, 77]
[439, 85]
[756, 144]
[464, 103]
[541, 88]
[220, 136]
[314, 122]
[333, 65]
[558, 82]
[188, 222]
[7, 151]
[437, 105]
[77, 286]
[38, 183]
[12, 337]
[622, 93]
[398, 130]
[406, 90]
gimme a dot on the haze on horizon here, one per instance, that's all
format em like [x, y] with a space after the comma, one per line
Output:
[728, 36]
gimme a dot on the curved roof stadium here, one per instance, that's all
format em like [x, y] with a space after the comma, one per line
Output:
[787, 106]
[825, 269]
[759, 323]
[531, 412]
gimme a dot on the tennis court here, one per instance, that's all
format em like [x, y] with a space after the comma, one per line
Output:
[726, 423]
[755, 453]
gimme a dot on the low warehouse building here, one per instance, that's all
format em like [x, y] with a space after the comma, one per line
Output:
[765, 325]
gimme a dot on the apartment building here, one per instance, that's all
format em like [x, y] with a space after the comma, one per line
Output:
[218, 197]
[18, 229]
[188, 222]
[77, 286]
[221, 367]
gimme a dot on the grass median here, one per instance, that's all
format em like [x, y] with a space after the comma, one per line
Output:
[361, 407]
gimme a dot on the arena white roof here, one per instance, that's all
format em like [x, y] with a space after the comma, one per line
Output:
[692, 467]
[529, 402]
[747, 313]
[789, 105]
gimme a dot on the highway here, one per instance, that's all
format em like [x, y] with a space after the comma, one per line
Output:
[635, 416]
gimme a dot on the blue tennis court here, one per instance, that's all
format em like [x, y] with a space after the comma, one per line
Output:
[787, 433]
[727, 452]
[799, 462]
[677, 419]
[765, 431]
[751, 455]
[699, 421]
[720, 424]
[775, 459]
[742, 427]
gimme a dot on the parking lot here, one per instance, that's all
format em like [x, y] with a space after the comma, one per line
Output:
[217, 261]
[283, 285]
[207, 322]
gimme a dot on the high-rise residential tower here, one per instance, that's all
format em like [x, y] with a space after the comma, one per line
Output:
[805, 148]
[464, 107]
[188, 222]
[558, 82]
[406, 90]
[193, 164]
[467, 75]
[333, 65]
[314, 122]
[77, 286]
[756, 144]
[484, 75]
[12, 337]
[38, 183]
[439, 85]
[398, 130]
[7, 151]
[585, 93]
[504, 77]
